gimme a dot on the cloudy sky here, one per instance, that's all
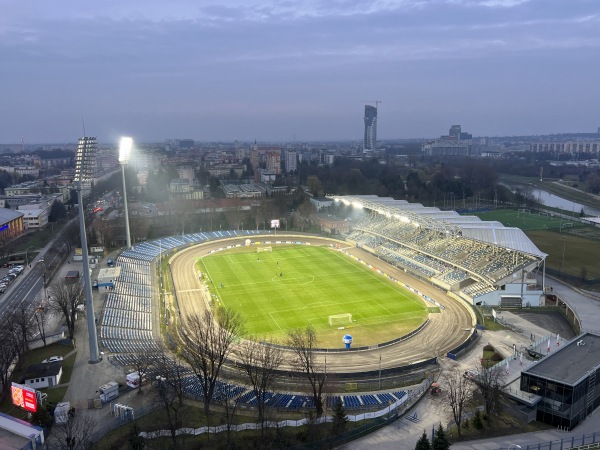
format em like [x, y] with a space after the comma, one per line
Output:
[275, 69]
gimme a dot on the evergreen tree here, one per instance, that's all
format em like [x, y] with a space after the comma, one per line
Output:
[423, 443]
[340, 419]
[440, 441]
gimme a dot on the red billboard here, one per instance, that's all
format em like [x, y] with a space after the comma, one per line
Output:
[24, 397]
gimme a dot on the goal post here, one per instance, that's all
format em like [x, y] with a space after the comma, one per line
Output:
[264, 249]
[340, 319]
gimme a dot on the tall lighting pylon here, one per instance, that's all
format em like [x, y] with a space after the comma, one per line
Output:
[84, 167]
[124, 153]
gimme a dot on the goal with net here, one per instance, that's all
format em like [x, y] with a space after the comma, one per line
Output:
[264, 249]
[340, 319]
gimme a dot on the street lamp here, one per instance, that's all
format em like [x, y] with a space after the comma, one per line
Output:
[41, 261]
[84, 164]
[27, 255]
[124, 153]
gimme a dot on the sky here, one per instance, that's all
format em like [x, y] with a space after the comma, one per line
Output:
[285, 70]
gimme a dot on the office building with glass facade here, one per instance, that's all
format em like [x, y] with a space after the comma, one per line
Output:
[567, 380]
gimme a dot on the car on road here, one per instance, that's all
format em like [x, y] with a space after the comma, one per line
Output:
[52, 359]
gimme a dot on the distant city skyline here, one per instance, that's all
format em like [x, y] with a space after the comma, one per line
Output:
[283, 71]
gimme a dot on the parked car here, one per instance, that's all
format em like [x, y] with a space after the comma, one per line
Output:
[52, 359]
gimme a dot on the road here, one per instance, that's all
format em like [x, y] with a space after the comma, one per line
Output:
[443, 332]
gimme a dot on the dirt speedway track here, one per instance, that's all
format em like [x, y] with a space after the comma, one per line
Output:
[444, 331]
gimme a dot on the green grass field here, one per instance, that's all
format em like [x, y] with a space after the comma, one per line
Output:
[293, 286]
[524, 221]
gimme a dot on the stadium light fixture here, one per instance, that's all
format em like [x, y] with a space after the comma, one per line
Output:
[125, 147]
[84, 168]
[357, 205]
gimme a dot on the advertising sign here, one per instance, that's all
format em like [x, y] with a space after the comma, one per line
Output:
[275, 223]
[24, 397]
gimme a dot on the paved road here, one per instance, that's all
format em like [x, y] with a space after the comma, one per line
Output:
[444, 331]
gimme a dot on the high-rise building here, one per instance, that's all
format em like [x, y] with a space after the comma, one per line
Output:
[274, 161]
[455, 132]
[370, 143]
[291, 161]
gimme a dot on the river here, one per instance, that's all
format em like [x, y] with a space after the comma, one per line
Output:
[555, 201]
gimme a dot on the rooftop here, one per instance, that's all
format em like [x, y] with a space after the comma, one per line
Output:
[569, 364]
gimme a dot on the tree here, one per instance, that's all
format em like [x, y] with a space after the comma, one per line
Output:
[340, 419]
[57, 211]
[208, 344]
[142, 363]
[440, 441]
[65, 301]
[76, 434]
[460, 392]
[10, 350]
[315, 186]
[304, 343]
[40, 319]
[260, 363]
[423, 442]
[24, 325]
[489, 387]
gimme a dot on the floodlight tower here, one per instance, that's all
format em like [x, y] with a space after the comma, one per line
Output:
[84, 164]
[124, 154]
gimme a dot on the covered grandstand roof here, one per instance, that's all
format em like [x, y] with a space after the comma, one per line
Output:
[472, 227]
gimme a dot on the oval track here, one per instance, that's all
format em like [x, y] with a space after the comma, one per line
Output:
[444, 331]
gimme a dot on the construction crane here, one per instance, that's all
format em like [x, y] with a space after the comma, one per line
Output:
[377, 102]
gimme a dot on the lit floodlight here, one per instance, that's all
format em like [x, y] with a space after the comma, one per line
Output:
[125, 147]
[357, 205]
[345, 202]
[404, 219]
[416, 225]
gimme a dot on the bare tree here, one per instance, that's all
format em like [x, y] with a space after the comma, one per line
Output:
[304, 343]
[9, 351]
[76, 434]
[166, 397]
[25, 326]
[460, 393]
[171, 373]
[208, 344]
[40, 319]
[64, 302]
[143, 363]
[261, 363]
[489, 382]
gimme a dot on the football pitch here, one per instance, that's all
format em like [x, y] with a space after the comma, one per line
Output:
[294, 286]
[525, 220]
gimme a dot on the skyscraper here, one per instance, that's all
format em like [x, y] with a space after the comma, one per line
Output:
[370, 143]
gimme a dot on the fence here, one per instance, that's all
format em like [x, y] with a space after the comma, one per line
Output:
[385, 415]
[585, 441]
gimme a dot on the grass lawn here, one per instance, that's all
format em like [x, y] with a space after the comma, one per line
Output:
[522, 220]
[580, 253]
[293, 286]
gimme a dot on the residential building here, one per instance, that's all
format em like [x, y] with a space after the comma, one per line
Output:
[370, 139]
[291, 161]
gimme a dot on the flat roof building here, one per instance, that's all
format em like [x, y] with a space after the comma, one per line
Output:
[568, 381]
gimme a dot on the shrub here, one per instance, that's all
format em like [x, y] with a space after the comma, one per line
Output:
[477, 422]
[488, 348]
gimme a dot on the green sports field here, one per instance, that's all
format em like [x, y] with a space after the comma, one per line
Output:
[525, 220]
[293, 286]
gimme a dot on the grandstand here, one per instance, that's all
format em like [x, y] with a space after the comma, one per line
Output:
[479, 261]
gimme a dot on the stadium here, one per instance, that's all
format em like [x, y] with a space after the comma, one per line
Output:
[439, 262]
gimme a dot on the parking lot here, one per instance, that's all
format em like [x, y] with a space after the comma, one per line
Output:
[8, 275]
